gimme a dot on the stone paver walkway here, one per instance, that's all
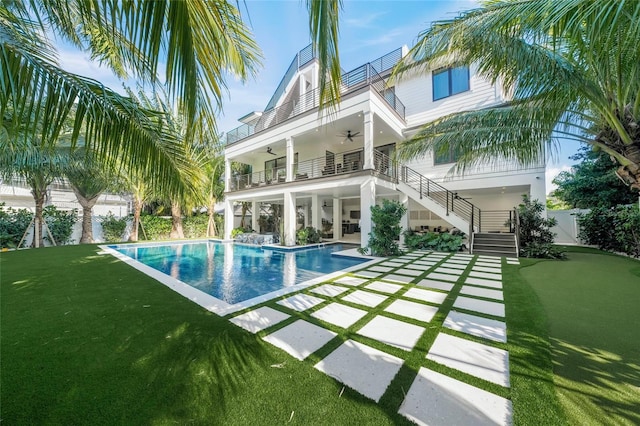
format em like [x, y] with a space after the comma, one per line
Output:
[383, 313]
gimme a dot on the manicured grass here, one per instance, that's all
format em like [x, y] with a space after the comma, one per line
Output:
[592, 302]
[88, 340]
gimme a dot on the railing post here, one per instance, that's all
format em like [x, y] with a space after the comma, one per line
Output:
[446, 194]
[470, 238]
[428, 188]
[421, 187]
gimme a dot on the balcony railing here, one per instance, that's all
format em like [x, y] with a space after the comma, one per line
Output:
[353, 80]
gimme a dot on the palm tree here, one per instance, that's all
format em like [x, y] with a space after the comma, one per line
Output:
[213, 188]
[200, 41]
[572, 67]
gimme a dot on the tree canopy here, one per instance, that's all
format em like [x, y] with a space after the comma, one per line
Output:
[570, 68]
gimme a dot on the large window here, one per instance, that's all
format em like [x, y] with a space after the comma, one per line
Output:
[450, 156]
[450, 81]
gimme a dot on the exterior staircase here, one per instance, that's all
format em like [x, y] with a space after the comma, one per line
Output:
[495, 244]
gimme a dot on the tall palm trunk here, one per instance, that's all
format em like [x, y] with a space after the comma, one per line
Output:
[211, 225]
[176, 221]
[87, 207]
[137, 209]
[38, 197]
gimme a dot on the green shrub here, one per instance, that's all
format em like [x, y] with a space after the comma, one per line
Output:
[444, 242]
[536, 237]
[113, 228]
[308, 235]
[155, 227]
[383, 238]
[616, 229]
[60, 224]
[13, 225]
[195, 226]
[239, 230]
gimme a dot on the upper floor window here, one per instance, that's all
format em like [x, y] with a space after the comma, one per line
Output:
[450, 81]
[450, 156]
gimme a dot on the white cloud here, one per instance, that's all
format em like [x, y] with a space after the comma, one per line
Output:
[366, 21]
[551, 173]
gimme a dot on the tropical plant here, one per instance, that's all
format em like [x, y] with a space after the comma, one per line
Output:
[615, 229]
[60, 224]
[535, 235]
[592, 182]
[570, 68]
[444, 241]
[308, 235]
[195, 226]
[13, 225]
[113, 228]
[155, 227]
[239, 230]
[383, 238]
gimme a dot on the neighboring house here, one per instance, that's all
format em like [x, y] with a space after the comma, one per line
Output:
[332, 166]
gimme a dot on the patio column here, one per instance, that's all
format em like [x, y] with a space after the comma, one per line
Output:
[307, 210]
[368, 140]
[367, 200]
[255, 214]
[538, 192]
[290, 159]
[227, 174]
[337, 218]
[316, 213]
[404, 221]
[289, 218]
[228, 218]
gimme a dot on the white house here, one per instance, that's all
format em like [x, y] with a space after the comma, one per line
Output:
[326, 169]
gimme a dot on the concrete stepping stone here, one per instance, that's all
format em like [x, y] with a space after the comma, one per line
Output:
[482, 306]
[477, 359]
[424, 263]
[259, 319]
[300, 339]
[365, 298]
[458, 266]
[392, 332]
[492, 259]
[445, 277]
[383, 287]
[300, 302]
[485, 275]
[393, 264]
[486, 269]
[436, 399]
[329, 290]
[459, 261]
[487, 265]
[411, 272]
[425, 295]
[482, 292]
[483, 282]
[417, 311]
[418, 267]
[442, 270]
[380, 268]
[435, 284]
[340, 315]
[368, 274]
[463, 256]
[477, 326]
[367, 370]
[398, 278]
[414, 255]
[350, 281]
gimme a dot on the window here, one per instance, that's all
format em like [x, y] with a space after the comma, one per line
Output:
[450, 81]
[446, 157]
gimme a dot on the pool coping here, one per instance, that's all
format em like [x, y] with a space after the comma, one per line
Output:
[210, 303]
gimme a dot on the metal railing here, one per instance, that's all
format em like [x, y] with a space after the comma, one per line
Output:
[498, 221]
[365, 75]
[258, 179]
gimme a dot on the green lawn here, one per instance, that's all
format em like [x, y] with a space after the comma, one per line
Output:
[593, 306]
[86, 339]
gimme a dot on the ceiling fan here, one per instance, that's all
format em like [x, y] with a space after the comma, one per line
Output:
[270, 151]
[349, 136]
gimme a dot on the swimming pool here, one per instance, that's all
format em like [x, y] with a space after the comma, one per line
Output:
[236, 273]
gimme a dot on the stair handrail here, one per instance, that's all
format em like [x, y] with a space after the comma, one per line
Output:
[516, 229]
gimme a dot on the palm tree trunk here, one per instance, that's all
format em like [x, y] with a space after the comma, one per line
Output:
[38, 197]
[87, 207]
[211, 225]
[176, 221]
[137, 208]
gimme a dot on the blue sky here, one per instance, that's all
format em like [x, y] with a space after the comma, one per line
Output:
[368, 30]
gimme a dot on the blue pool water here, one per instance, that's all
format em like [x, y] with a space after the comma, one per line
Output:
[235, 273]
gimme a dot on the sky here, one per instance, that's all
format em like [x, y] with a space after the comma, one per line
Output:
[368, 30]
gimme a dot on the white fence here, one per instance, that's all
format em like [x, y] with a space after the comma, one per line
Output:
[567, 229]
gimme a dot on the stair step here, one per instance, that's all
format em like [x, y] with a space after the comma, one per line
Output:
[487, 246]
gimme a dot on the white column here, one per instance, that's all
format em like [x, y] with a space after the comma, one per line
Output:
[368, 140]
[307, 210]
[538, 192]
[367, 200]
[255, 214]
[228, 219]
[227, 174]
[289, 218]
[290, 159]
[337, 218]
[316, 212]
[404, 221]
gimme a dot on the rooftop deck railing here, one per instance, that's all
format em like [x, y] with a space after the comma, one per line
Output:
[351, 81]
